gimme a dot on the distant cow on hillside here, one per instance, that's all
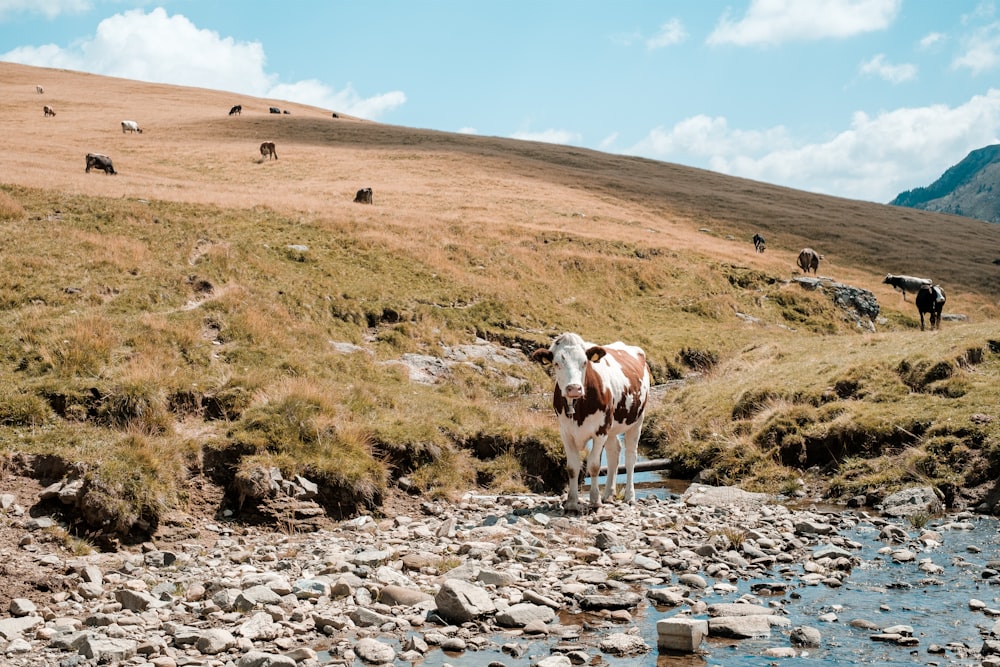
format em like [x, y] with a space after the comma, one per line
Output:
[237, 110]
[48, 111]
[364, 196]
[809, 260]
[758, 243]
[930, 299]
[39, 90]
[100, 161]
[267, 151]
[131, 126]
[274, 110]
[906, 283]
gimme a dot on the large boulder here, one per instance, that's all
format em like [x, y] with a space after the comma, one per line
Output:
[460, 601]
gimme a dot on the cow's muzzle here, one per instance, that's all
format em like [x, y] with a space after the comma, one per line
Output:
[573, 392]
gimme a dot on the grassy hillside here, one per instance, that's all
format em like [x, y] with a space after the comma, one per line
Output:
[207, 315]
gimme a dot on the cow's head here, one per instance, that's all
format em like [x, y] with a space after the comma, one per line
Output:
[568, 356]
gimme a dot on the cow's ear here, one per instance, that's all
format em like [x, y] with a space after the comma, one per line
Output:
[595, 354]
[542, 356]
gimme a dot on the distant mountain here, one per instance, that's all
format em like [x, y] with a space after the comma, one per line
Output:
[971, 188]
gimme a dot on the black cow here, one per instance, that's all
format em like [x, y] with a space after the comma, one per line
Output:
[758, 243]
[364, 196]
[930, 299]
[274, 110]
[335, 115]
[237, 110]
[99, 161]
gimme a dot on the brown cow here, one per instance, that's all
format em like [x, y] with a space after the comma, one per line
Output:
[809, 260]
[267, 151]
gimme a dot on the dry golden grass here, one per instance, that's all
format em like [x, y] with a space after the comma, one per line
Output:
[434, 185]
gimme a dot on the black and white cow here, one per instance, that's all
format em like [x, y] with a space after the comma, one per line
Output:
[364, 196]
[759, 244]
[930, 299]
[131, 126]
[237, 110]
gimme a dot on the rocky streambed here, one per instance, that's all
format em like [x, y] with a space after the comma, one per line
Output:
[512, 581]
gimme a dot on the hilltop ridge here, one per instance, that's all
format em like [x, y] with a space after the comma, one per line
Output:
[965, 189]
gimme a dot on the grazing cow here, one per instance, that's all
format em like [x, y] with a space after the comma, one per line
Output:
[286, 111]
[905, 283]
[364, 196]
[335, 115]
[600, 393]
[267, 151]
[758, 243]
[39, 90]
[237, 110]
[99, 161]
[809, 260]
[48, 111]
[930, 299]
[274, 110]
[131, 126]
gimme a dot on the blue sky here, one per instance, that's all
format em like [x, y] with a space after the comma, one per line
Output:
[856, 98]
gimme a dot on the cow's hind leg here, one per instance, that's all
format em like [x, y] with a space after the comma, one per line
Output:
[612, 455]
[631, 454]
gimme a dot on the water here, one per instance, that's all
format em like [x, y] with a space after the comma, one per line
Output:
[880, 590]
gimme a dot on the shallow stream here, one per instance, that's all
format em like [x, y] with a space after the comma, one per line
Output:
[880, 590]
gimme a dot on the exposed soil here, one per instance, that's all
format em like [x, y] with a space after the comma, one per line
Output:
[20, 576]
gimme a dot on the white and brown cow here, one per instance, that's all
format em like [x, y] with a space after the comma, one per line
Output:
[600, 393]
[267, 151]
[48, 111]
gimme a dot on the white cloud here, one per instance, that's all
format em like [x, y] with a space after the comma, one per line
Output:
[50, 8]
[931, 39]
[771, 22]
[550, 136]
[672, 32]
[875, 159]
[981, 50]
[171, 49]
[345, 101]
[608, 141]
[883, 69]
[468, 130]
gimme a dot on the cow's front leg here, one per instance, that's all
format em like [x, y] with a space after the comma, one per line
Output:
[573, 471]
[593, 468]
[611, 446]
